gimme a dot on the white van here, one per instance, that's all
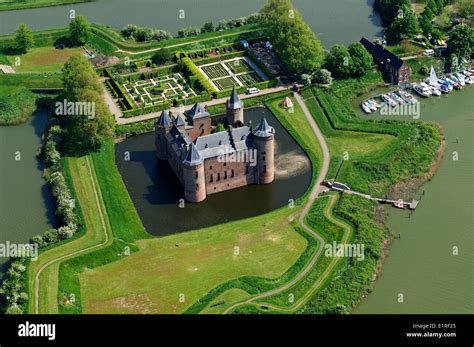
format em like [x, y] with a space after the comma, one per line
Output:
[429, 52]
[253, 90]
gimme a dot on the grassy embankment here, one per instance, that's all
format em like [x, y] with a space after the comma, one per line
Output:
[119, 214]
[7, 5]
[17, 104]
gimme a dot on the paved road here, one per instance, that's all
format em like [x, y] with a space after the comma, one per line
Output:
[317, 189]
[121, 120]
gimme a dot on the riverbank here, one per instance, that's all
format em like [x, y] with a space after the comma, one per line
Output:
[22, 5]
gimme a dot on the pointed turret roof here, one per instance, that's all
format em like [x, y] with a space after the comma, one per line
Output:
[164, 120]
[234, 102]
[179, 120]
[193, 157]
[197, 111]
[263, 129]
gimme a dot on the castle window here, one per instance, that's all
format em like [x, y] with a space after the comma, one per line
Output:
[210, 167]
[264, 153]
[263, 158]
[225, 164]
[196, 174]
[218, 176]
[197, 187]
[232, 173]
[225, 175]
[212, 179]
[246, 170]
[264, 168]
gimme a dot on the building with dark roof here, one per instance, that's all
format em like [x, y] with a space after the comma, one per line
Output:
[208, 163]
[396, 68]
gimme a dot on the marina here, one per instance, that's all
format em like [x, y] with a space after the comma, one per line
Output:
[432, 86]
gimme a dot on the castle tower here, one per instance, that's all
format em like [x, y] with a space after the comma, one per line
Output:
[162, 128]
[234, 109]
[193, 176]
[179, 121]
[264, 139]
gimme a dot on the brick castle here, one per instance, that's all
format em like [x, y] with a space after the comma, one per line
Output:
[208, 163]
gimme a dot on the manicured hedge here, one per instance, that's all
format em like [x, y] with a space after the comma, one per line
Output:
[201, 80]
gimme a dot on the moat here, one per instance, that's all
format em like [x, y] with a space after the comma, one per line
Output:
[156, 191]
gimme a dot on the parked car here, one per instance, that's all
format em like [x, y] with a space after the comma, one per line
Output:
[253, 90]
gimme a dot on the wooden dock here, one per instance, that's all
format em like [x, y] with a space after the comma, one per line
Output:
[340, 187]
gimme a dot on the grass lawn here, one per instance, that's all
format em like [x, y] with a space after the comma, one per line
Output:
[192, 263]
[93, 235]
[225, 300]
[43, 59]
[17, 104]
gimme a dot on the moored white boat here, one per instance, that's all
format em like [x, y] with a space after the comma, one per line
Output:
[388, 100]
[365, 108]
[422, 89]
[407, 97]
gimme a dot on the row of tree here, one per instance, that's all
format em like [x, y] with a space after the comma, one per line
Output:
[84, 131]
[79, 34]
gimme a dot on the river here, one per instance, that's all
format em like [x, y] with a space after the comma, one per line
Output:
[421, 264]
[334, 21]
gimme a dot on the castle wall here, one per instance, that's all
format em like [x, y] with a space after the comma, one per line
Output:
[161, 143]
[222, 176]
[201, 127]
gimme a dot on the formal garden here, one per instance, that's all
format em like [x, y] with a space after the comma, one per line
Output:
[239, 72]
[158, 90]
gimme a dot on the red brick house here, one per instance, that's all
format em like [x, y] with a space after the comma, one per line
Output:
[396, 68]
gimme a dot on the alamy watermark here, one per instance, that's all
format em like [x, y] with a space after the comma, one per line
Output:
[405, 109]
[231, 156]
[75, 108]
[348, 250]
[19, 250]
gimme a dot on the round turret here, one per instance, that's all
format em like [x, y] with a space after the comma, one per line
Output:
[264, 139]
[235, 109]
[193, 176]
[162, 127]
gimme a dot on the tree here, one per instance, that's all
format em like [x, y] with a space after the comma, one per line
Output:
[161, 56]
[23, 38]
[405, 26]
[425, 25]
[361, 59]
[339, 61]
[79, 31]
[322, 76]
[208, 27]
[464, 9]
[294, 41]
[461, 41]
[219, 128]
[388, 9]
[84, 131]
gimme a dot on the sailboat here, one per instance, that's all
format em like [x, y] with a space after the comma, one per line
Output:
[433, 83]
